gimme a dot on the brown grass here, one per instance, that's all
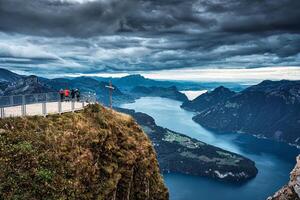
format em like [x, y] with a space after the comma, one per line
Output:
[91, 154]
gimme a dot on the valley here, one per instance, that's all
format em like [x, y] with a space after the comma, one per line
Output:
[274, 160]
[179, 153]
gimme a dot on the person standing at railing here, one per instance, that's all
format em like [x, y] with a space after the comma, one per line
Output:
[73, 94]
[77, 92]
[62, 95]
[67, 94]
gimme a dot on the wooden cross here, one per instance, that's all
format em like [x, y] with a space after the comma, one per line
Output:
[110, 88]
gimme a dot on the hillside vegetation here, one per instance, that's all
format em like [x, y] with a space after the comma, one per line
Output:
[91, 154]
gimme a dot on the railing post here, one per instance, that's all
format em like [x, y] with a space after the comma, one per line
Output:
[59, 107]
[2, 115]
[44, 106]
[44, 109]
[72, 105]
[23, 107]
[11, 100]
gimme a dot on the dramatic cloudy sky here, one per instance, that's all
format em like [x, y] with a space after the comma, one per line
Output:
[51, 37]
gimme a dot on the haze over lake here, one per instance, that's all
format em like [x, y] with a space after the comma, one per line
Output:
[192, 94]
[274, 160]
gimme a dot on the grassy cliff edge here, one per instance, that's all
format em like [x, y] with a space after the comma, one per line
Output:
[91, 154]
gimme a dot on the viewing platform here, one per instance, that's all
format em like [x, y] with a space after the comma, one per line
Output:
[41, 104]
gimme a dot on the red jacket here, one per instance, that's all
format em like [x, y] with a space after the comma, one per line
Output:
[67, 92]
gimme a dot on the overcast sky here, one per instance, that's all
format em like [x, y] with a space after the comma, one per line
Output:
[57, 37]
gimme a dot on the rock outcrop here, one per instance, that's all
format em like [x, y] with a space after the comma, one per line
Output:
[291, 191]
[91, 154]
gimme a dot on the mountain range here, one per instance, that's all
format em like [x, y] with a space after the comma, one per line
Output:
[14, 84]
[165, 92]
[90, 85]
[126, 89]
[129, 82]
[269, 109]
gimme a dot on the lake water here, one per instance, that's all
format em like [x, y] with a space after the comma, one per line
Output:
[274, 160]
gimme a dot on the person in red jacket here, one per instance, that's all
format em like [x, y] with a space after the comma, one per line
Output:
[67, 94]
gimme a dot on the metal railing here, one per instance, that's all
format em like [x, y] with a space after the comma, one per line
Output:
[42, 104]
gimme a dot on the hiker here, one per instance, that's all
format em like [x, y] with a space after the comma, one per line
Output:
[73, 94]
[62, 95]
[67, 94]
[77, 92]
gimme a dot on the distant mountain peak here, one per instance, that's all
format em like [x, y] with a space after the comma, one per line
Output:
[209, 99]
[222, 89]
[8, 76]
[134, 76]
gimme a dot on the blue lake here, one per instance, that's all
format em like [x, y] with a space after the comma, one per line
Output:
[274, 160]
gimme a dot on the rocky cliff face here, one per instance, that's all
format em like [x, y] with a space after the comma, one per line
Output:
[91, 154]
[291, 191]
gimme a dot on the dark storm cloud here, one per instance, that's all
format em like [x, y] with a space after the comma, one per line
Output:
[59, 18]
[262, 16]
[130, 35]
